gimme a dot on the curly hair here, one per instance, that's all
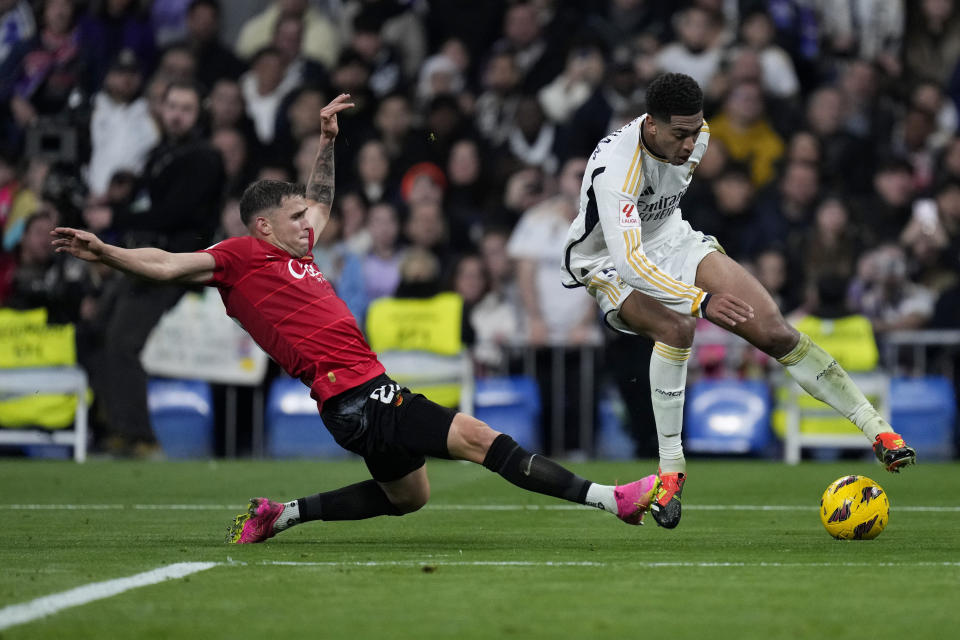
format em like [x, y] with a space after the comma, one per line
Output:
[673, 94]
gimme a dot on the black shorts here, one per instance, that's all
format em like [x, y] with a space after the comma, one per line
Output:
[390, 426]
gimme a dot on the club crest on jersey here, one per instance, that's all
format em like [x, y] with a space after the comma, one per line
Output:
[628, 214]
[300, 270]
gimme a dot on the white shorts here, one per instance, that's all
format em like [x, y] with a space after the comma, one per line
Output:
[677, 253]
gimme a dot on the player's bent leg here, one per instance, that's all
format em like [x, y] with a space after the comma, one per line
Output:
[409, 493]
[815, 370]
[471, 439]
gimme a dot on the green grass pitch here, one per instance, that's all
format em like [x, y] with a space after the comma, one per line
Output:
[482, 560]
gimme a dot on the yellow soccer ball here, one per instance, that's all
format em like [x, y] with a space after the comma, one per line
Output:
[854, 508]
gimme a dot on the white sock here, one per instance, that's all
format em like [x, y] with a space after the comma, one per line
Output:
[818, 373]
[288, 517]
[601, 497]
[668, 381]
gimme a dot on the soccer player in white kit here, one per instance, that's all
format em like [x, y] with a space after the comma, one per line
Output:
[652, 274]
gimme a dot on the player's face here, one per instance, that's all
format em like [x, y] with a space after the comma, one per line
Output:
[289, 228]
[674, 140]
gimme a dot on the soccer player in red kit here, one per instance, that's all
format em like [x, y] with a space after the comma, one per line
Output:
[270, 285]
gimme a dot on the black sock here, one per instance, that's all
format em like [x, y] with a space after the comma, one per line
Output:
[534, 472]
[355, 502]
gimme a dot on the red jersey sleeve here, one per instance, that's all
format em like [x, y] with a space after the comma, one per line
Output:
[232, 257]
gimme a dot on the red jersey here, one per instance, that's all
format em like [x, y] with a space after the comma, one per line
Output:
[293, 313]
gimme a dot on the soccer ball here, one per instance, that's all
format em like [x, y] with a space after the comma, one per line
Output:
[854, 508]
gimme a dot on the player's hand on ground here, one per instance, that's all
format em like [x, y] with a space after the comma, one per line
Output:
[728, 310]
[80, 244]
[329, 128]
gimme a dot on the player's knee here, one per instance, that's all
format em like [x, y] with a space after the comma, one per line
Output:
[679, 332]
[470, 439]
[412, 499]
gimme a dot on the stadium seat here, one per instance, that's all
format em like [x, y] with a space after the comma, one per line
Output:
[727, 417]
[181, 412]
[293, 425]
[510, 404]
[923, 411]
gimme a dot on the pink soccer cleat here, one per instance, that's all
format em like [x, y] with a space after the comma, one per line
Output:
[633, 499]
[256, 525]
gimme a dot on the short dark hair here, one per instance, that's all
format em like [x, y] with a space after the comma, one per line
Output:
[266, 194]
[185, 85]
[673, 94]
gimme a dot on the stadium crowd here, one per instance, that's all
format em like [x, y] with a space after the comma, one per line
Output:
[834, 154]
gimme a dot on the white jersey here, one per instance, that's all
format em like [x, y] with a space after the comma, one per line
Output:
[629, 198]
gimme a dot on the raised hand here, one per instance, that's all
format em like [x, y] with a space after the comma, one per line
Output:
[80, 244]
[329, 128]
[728, 310]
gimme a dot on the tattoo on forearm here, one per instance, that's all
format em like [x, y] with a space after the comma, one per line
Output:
[320, 186]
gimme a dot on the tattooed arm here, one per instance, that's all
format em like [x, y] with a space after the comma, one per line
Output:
[320, 187]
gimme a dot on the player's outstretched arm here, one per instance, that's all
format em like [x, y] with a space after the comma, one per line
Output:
[153, 264]
[320, 187]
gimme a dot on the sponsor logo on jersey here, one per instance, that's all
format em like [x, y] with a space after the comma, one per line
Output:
[628, 214]
[300, 270]
[658, 209]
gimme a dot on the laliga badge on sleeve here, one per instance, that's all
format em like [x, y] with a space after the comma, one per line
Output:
[628, 214]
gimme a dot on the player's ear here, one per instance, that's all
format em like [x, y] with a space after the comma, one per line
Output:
[262, 225]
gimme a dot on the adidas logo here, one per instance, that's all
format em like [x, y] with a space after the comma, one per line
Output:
[647, 192]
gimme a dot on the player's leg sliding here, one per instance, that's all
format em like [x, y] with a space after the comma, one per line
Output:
[265, 518]
[668, 379]
[818, 373]
[540, 474]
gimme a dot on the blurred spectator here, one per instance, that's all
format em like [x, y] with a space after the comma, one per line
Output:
[770, 267]
[746, 133]
[469, 281]
[798, 32]
[426, 228]
[468, 196]
[420, 274]
[884, 293]
[373, 174]
[882, 215]
[264, 87]
[226, 109]
[16, 25]
[177, 64]
[445, 123]
[926, 243]
[869, 30]
[351, 75]
[386, 64]
[778, 76]
[24, 193]
[178, 210]
[298, 68]
[532, 140]
[394, 125]
[355, 234]
[496, 318]
[214, 60]
[497, 103]
[551, 313]
[568, 91]
[45, 75]
[235, 154]
[423, 183]
[847, 161]
[439, 76]
[622, 20]
[619, 94]
[536, 60]
[399, 26]
[108, 27]
[930, 97]
[732, 216]
[867, 114]
[832, 244]
[299, 117]
[320, 42]
[697, 50]
[932, 42]
[122, 131]
[231, 225]
[43, 278]
[785, 210]
[381, 265]
[802, 146]
[948, 211]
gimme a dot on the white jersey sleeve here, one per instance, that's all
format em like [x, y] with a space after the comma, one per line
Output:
[616, 195]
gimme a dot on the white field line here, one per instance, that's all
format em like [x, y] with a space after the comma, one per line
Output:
[524, 563]
[48, 605]
[451, 507]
